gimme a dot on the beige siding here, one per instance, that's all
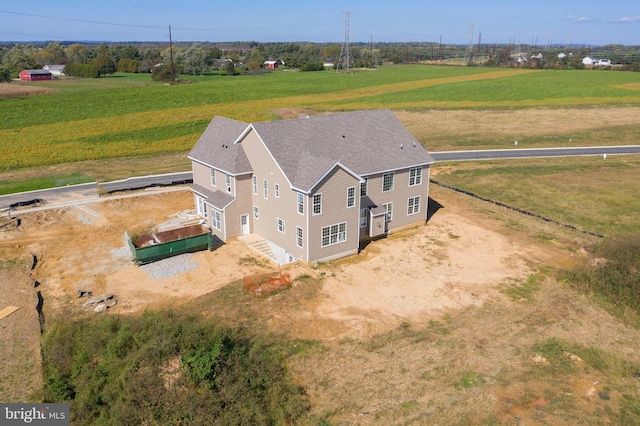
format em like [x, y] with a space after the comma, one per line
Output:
[334, 211]
[242, 205]
[283, 207]
[202, 177]
[399, 196]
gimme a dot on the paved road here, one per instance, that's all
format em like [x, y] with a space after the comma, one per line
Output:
[496, 154]
[68, 195]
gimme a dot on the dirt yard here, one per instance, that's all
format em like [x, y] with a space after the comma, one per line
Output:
[450, 274]
[453, 262]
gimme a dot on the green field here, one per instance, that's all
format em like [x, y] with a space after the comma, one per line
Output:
[125, 125]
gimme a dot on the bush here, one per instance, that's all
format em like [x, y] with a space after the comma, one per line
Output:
[615, 275]
[168, 368]
[81, 70]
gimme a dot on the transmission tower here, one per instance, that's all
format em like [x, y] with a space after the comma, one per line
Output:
[468, 55]
[345, 56]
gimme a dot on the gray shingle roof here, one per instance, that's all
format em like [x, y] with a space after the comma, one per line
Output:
[216, 146]
[366, 142]
[217, 199]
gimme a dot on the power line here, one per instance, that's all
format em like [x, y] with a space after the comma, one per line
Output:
[345, 55]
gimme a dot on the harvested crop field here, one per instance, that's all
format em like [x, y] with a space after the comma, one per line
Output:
[16, 90]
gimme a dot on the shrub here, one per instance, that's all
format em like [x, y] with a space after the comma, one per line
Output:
[168, 368]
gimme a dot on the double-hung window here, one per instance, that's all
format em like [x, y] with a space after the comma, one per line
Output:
[215, 219]
[280, 225]
[299, 236]
[415, 176]
[413, 205]
[213, 177]
[317, 204]
[300, 203]
[276, 190]
[364, 188]
[387, 182]
[255, 185]
[265, 189]
[228, 182]
[351, 196]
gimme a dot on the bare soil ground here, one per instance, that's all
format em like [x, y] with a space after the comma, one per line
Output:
[417, 328]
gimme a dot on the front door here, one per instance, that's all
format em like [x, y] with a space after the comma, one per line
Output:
[244, 224]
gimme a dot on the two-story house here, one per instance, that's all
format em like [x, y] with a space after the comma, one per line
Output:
[313, 187]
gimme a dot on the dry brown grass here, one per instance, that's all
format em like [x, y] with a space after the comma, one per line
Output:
[16, 90]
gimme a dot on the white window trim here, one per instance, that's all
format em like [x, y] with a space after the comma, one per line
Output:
[265, 189]
[364, 188]
[300, 203]
[228, 182]
[416, 205]
[256, 212]
[276, 190]
[216, 217]
[278, 222]
[313, 207]
[213, 177]
[351, 198]
[393, 178]
[417, 178]
[299, 237]
[255, 185]
[330, 234]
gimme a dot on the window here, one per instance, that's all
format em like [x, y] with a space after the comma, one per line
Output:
[299, 236]
[364, 188]
[413, 205]
[215, 219]
[317, 204]
[276, 190]
[415, 176]
[280, 224]
[300, 203]
[334, 234]
[364, 214]
[213, 177]
[228, 182]
[387, 182]
[265, 189]
[255, 185]
[389, 209]
[351, 196]
[256, 212]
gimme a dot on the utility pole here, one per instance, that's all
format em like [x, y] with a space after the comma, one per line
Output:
[173, 74]
[371, 45]
[345, 55]
[440, 49]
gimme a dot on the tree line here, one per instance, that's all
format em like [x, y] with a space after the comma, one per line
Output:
[99, 59]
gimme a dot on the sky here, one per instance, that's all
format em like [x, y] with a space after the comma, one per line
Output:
[538, 22]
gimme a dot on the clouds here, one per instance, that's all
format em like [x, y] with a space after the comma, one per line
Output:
[628, 20]
[574, 18]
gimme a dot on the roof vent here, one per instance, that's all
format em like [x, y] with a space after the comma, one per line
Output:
[401, 146]
[343, 136]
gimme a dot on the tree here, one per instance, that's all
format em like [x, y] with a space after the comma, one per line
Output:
[230, 68]
[21, 57]
[192, 60]
[161, 73]
[104, 62]
[76, 53]
[5, 75]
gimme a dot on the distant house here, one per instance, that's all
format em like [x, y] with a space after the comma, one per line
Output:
[604, 63]
[589, 60]
[272, 64]
[56, 70]
[311, 188]
[35, 75]
[328, 63]
[562, 55]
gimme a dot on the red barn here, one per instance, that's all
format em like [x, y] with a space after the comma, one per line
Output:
[35, 75]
